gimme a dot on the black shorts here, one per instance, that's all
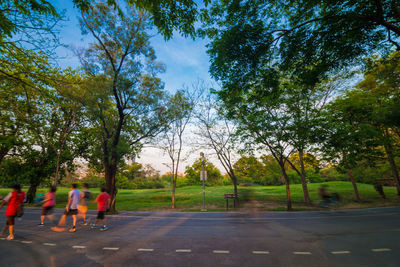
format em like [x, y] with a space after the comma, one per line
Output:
[47, 210]
[71, 212]
[10, 219]
[100, 215]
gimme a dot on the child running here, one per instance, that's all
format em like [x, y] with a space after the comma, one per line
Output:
[103, 203]
[70, 210]
[14, 200]
[84, 202]
[48, 204]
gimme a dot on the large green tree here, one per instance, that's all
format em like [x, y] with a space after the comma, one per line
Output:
[124, 98]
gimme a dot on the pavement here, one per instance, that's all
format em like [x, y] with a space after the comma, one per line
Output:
[369, 237]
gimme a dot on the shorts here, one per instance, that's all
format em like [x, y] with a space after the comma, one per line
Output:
[10, 219]
[47, 210]
[71, 212]
[100, 215]
[82, 208]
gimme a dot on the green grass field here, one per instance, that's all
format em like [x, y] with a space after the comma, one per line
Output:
[261, 198]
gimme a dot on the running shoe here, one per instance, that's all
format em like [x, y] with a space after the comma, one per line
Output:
[103, 228]
[93, 225]
[73, 229]
[40, 224]
[10, 237]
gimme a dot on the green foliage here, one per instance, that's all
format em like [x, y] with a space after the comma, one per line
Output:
[214, 176]
[249, 170]
[309, 39]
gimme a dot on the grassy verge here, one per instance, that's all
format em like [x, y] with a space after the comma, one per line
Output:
[257, 198]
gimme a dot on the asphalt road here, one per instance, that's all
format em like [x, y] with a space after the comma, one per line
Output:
[368, 237]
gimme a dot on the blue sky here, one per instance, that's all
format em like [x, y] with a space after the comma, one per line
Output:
[186, 62]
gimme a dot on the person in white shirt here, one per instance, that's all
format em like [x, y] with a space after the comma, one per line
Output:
[70, 210]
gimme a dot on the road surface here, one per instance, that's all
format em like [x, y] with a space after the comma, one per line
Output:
[369, 237]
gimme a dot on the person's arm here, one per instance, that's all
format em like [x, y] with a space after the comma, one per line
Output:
[96, 200]
[69, 202]
[5, 200]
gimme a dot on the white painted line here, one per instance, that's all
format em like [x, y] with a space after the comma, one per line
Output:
[26, 242]
[302, 253]
[145, 249]
[341, 252]
[184, 250]
[2, 238]
[109, 248]
[381, 249]
[78, 246]
[260, 252]
[221, 251]
[49, 244]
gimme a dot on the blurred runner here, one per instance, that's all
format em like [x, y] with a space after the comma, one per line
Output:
[103, 203]
[84, 202]
[48, 205]
[14, 199]
[70, 210]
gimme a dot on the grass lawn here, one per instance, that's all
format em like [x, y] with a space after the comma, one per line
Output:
[260, 198]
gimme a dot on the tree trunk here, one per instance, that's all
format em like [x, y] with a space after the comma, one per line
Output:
[109, 173]
[31, 194]
[289, 201]
[173, 192]
[235, 191]
[57, 169]
[353, 182]
[395, 172]
[303, 179]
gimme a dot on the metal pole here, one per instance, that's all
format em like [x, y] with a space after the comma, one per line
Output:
[203, 178]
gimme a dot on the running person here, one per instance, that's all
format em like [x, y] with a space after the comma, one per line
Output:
[84, 202]
[71, 209]
[48, 204]
[14, 200]
[103, 203]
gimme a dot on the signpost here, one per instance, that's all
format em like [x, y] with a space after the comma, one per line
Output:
[203, 177]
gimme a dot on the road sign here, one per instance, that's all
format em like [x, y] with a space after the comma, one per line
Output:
[203, 175]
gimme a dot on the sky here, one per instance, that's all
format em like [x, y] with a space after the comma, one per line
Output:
[185, 59]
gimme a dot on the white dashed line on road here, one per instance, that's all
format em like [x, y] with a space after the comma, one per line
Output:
[302, 253]
[49, 244]
[221, 251]
[260, 252]
[78, 246]
[183, 250]
[145, 249]
[381, 249]
[109, 248]
[26, 242]
[340, 252]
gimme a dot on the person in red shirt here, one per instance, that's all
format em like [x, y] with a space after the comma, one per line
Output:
[48, 205]
[14, 200]
[103, 203]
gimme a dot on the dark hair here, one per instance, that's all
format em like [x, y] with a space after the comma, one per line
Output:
[86, 185]
[74, 185]
[17, 187]
[103, 189]
[53, 188]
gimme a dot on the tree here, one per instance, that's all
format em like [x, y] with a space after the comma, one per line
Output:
[182, 106]
[328, 35]
[249, 170]
[217, 134]
[366, 114]
[124, 102]
[214, 176]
